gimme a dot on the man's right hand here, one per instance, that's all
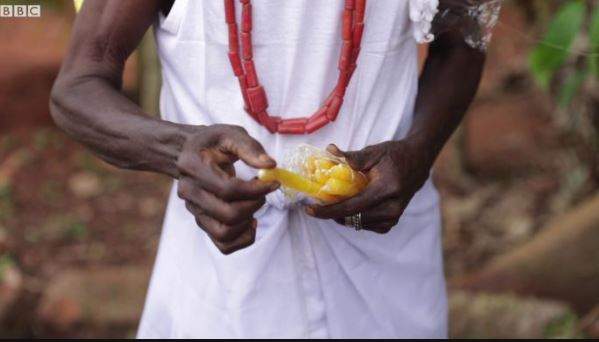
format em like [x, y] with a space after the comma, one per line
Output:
[223, 205]
[87, 103]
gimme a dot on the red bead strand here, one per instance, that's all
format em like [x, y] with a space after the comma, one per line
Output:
[241, 58]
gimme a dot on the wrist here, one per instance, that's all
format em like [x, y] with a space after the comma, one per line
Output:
[424, 148]
[166, 143]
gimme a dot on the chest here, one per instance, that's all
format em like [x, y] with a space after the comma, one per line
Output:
[291, 22]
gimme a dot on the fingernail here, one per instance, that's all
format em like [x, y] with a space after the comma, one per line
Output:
[265, 158]
[275, 186]
[332, 148]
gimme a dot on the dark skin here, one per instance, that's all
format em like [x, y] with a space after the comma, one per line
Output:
[398, 169]
[87, 103]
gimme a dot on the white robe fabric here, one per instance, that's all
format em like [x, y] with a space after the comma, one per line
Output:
[303, 277]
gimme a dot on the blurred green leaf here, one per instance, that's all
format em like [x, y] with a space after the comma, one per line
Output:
[6, 262]
[571, 87]
[6, 203]
[594, 37]
[76, 230]
[553, 51]
[563, 327]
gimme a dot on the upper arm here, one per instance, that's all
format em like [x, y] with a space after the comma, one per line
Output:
[453, 24]
[105, 33]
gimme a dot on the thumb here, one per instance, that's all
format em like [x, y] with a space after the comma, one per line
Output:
[361, 160]
[249, 150]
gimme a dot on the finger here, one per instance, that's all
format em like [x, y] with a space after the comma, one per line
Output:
[362, 160]
[218, 231]
[229, 213]
[195, 211]
[336, 151]
[211, 177]
[248, 149]
[246, 239]
[205, 163]
[371, 196]
[225, 161]
[382, 227]
[235, 189]
[388, 210]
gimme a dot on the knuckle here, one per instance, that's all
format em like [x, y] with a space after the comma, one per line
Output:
[185, 162]
[375, 194]
[206, 156]
[250, 241]
[183, 189]
[260, 203]
[239, 129]
[232, 132]
[231, 215]
[394, 211]
[394, 206]
[219, 127]
[392, 188]
[399, 210]
[383, 229]
[222, 234]
[228, 191]
[180, 193]
[225, 249]
[247, 210]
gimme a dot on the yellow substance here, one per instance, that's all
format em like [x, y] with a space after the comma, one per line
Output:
[327, 180]
[78, 4]
[340, 187]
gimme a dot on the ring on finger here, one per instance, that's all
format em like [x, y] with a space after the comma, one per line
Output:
[354, 221]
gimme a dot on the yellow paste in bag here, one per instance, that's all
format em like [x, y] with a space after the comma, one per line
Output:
[321, 178]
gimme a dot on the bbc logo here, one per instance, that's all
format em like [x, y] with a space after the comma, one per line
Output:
[20, 11]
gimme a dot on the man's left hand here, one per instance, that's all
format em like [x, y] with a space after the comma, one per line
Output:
[395, 169]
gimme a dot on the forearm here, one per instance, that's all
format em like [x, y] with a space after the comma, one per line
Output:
[447, 86]
[87, 101]
[94, 112]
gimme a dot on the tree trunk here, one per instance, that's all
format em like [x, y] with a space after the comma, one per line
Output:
[149, 78]
[562, 262]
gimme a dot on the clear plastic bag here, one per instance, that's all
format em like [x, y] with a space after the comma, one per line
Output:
[475, 19]
[316, 174]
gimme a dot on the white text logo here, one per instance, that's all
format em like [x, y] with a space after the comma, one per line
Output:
[20, 11]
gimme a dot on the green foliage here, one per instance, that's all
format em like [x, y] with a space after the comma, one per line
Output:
[594, 37]
[553, 51]
[76, 230]
[6, 203]
[571, 87]
[5, 263]
[563, 327]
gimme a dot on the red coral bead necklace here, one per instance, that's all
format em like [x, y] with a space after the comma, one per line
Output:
[254, 96]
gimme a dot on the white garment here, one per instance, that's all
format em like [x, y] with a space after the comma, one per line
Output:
[302, 277]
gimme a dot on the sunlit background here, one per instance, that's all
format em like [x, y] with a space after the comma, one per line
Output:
[519, 184]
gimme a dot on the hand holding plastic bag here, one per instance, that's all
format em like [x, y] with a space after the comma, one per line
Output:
[317, 174]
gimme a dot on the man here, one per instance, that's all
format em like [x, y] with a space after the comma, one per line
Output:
[237, 258]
